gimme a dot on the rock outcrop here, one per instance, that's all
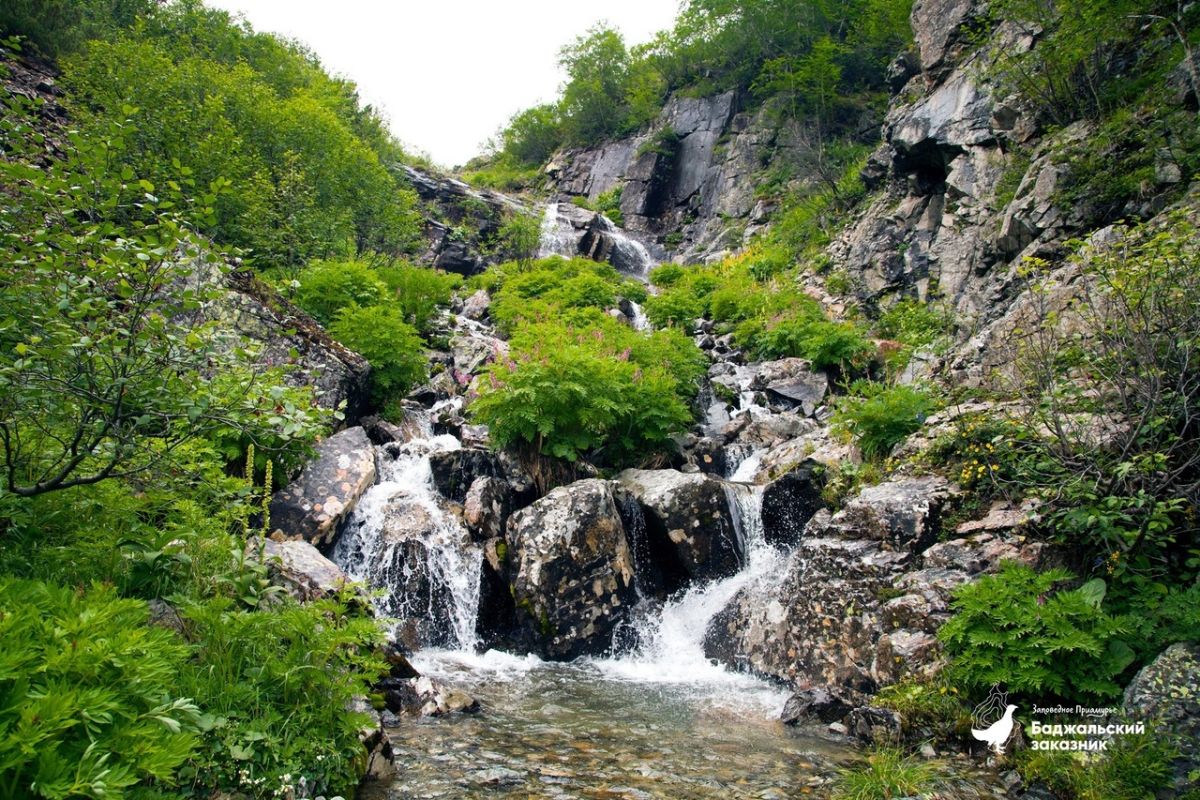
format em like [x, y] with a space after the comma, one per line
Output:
[315, 504]
[689, 527]
[298, 567]
[860, 602]
[1165, 695]
[572, 569]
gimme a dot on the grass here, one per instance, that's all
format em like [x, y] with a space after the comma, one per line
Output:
[888, 774]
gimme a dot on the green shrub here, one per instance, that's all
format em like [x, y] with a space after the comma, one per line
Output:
[417, 292]
[666, 275]
[825, 343]
[276, 685]
[384, 338]
[676, 306]
[1133, 767]
[880, 417]
[1015, 629]
[914, 323]
[90, 701]
[326, 287]
[888, 774]
[933, 706]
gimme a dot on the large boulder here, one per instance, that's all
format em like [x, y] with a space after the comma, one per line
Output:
[315, 504]
[572, 569]
[792, 382]
[790, 501]
[859, 603]
[902, 512]
[689, 525]
[298, 567]
[1165, 695]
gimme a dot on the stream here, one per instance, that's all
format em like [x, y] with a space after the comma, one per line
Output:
[654, 719]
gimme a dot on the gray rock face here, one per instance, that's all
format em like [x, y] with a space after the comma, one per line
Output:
[573, 572]
[1165, 695]
[831, 618]
[937, 26]
[815, 703]
[790, 501]
[289, 337]
[312, 506]
[298, 567]
[689, 525]
[694, 180]
[486, 507]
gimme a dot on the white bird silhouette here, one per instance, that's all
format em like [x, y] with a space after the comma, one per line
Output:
[998, 732]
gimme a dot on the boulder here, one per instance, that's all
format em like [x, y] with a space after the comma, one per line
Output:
[476, 306]
[902, 512]
[486, 507]
[472, 351]
[815, 702]
[1165, 695]
[689, 525]
[793, 383]
[790, 501]
[937, 26]
[455, 471]
[298, 567]
[572, 569]
[315, 504]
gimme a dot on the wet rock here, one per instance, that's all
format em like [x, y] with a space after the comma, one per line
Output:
[471, 352]
[315, 504]
[1165, 695]
[455, 471]
[816, 702]
[793, 382]
[398, 663]
[573, 572]
[904, 653]
[486, 507]
[425, 697]
[790, 501]
[298, 567]
[903, 512]
[689, 524]
[476, 306]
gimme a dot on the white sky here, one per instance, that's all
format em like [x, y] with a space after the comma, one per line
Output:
[448, 73]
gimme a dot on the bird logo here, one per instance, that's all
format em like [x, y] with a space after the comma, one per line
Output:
[990, 729]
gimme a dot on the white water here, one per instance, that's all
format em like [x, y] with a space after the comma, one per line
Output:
[558, 236]
[640, 321]
[378, 551]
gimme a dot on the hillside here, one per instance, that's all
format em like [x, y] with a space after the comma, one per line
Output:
[791, 405]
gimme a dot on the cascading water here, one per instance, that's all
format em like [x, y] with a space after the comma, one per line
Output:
[596, 238]
[402, 540]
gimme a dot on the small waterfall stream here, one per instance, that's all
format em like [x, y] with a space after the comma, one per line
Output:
[568, 231]
[429, 575]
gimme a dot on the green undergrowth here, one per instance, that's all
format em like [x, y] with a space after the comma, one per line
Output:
[578, 383]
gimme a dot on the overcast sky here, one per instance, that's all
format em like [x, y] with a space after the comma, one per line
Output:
[448, 73]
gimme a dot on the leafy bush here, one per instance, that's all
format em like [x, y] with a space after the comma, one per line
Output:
[56, 27]
[326, 287]
[276, 686]
[666, 275]
[417, 292]
[675, 307]
[565, 399]
[880, 417]
[89, 698]
[914, 323]
[1015, 629]
[384, 338]
[109, 364]
[1133, 767]
[827, 344]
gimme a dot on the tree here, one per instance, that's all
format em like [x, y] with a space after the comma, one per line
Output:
[107, 363]
[532, 135]
[594, 101]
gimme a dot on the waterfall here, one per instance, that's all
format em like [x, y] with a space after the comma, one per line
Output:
[670, 637]
[402, 540]
[569, 231]
[639, 319]
[557, 237]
